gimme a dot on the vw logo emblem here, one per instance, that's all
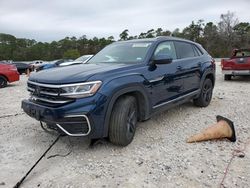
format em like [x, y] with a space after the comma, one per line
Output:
[37, 91]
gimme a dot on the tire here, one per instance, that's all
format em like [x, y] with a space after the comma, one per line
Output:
[123, 121]
[23, 71]
[205, 96]
[3, 82]
[227, 77]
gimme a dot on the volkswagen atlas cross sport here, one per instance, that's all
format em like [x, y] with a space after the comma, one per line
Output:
[125, 82]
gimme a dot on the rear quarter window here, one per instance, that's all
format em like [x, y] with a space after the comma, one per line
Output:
[197, 51]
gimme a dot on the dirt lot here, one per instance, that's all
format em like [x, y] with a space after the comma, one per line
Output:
[158, 156]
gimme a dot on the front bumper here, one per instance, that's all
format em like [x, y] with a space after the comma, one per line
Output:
[84, 117]
[236, 72]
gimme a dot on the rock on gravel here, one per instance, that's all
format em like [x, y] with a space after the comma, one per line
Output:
[158, 156]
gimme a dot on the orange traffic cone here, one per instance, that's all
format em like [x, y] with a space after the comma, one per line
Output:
[28, 72]
[224, 128]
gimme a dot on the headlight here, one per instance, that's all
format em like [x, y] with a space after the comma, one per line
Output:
[80, 90]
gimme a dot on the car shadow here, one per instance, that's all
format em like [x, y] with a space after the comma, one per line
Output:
[82, 144]
[9, 86]
[240, 79]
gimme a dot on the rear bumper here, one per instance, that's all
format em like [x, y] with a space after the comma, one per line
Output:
[74, 119]
[13, 76]
[236, 72]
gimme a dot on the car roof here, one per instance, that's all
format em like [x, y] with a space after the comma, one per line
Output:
[159, 38]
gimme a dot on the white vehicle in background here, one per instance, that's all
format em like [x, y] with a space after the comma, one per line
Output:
[36, 63]
[79, 60]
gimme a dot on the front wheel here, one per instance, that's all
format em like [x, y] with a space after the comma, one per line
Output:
[123, 121]
[3, 82]
[206, 94]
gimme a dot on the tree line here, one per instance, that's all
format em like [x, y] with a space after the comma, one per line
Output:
[218, 39]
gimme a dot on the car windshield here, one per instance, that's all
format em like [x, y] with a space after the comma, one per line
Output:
[83, 58]
[127, 52]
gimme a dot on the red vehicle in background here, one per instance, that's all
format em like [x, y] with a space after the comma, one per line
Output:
[8, 73]
[237, 65]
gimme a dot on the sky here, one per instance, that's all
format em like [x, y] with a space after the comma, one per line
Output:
[48, 20]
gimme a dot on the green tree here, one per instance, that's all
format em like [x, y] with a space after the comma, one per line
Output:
[142, 35]
[166, 33]
[211, 39]
[242, 30]
[227, 22]
[111, 39]
[158, 32]
[219, 40]
[7, 46]
[124, 35]
[71, 54]
[150, 33]
[194, 31]
[177, 33]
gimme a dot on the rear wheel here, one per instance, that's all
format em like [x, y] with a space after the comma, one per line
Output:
[227, 77]
[206, 94]
[123, 121]
[3, 82]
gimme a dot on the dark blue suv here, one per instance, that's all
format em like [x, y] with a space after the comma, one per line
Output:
[126, 82]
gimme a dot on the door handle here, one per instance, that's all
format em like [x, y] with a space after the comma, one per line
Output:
[179, 67]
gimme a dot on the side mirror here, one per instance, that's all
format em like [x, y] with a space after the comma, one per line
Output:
[162, 59]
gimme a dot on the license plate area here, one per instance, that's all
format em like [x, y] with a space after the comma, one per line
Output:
[35, 113]
[32, 111]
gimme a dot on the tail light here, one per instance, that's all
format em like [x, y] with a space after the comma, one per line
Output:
[222, 63]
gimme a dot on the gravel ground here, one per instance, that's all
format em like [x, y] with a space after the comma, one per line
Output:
[158, 156]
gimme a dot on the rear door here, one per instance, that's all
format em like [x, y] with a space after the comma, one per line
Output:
[189, 65]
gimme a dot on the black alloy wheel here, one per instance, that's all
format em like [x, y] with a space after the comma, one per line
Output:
[123, 121]
[205, 96]
[3, 82]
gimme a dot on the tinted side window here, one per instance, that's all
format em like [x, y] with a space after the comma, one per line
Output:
[184, 50]
[197, 51]
[166, 48]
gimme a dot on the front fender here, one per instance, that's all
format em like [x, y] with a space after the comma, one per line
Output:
[132, 84]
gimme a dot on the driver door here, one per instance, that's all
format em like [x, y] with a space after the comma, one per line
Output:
[165, 83]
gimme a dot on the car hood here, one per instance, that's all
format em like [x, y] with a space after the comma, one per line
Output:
[72, 74]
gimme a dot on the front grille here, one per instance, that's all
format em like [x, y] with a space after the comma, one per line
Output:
[46, 94]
